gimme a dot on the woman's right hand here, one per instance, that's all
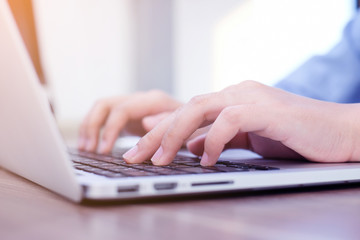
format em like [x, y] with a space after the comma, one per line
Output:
[136, 114]
[251, 115]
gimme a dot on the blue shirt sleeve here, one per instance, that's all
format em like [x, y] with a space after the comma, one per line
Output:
[333, 77]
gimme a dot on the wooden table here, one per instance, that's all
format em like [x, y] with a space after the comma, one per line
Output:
[27, 211]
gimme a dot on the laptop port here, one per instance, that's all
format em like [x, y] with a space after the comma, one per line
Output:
[128, 189]
[211, 183]
[164, 186]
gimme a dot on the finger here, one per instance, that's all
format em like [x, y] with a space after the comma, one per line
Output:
[137, 107]
[195, 143]
[150, 122]
[201, 111]
[243, 118]
[148, 144]
[90, 128]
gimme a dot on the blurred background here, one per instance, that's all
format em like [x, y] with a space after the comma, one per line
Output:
[90, 49]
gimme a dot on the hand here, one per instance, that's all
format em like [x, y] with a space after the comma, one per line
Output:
[250, 115]
[136, 114]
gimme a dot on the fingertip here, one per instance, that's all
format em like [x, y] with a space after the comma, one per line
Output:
[81, 143]
[157, 157]
[205, 160]
[162, 157]
[130, 154]
[103, 148]
[90, 145]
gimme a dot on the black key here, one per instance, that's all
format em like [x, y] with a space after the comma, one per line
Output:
[99, 171]
[85, 168]
[191, 164]
[259, 167]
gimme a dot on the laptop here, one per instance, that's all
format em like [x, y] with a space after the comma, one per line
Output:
[32, 147]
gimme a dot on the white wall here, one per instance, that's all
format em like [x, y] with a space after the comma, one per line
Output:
[222, 42]
[96, 48]
[87, 52]
[194, 25]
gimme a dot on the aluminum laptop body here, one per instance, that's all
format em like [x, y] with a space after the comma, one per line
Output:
[32, 147]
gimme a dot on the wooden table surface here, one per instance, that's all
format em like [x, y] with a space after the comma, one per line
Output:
[28, 211]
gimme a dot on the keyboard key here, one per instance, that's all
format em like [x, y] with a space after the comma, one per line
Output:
[114, 166]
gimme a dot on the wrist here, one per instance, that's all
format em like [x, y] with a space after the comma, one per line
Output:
[352, 113]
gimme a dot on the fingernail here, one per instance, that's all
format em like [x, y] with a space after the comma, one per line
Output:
[157, 156]
[102, 147]
[204, 160]
[131, 153]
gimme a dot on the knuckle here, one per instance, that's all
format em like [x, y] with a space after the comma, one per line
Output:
[137, 94]
[247, 85]
[258, 90]
[93, 123]
[171, 135]
[173, 138]
[121, 109]
[230, 115]
[101, 103]
[158, 96]
[157, 93]
[210, 143]
[250, 84]
[200, 100]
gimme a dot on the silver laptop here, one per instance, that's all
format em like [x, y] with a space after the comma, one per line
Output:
[32, 147]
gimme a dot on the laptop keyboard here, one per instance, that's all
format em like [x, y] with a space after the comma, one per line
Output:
[114, 166]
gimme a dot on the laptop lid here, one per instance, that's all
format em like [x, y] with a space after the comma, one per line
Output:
[31, 145]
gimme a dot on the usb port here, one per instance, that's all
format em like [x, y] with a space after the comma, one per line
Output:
[128, 189]
[165, 186]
